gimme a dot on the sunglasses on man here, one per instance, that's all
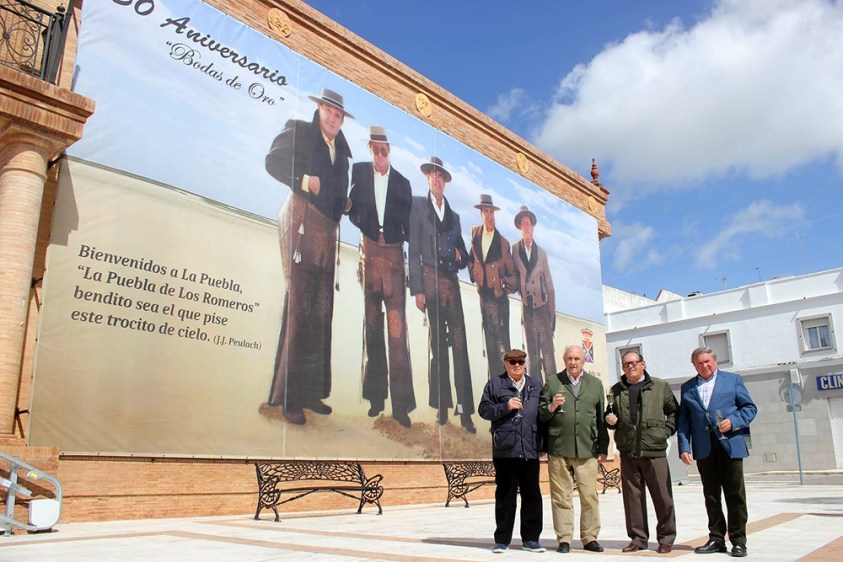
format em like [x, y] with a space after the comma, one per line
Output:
[516, 361]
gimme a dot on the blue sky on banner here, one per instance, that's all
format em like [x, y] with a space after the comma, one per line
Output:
[717, 124]
[180, 121]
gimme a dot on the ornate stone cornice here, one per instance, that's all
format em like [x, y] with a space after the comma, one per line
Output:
[32, 110]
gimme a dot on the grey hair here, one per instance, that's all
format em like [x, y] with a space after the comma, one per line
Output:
[570, 347]
[700, 350]
[625, 353]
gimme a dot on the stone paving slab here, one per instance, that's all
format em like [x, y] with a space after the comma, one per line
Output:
[787, 522]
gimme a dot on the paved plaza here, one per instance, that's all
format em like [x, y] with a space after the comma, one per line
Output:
[787, 522]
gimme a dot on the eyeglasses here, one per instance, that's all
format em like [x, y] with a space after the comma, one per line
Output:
[630, 364]
[380, 150]
[516, 361]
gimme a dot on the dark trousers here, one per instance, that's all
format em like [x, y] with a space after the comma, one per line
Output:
[512, 475]
[384, 285]
[495, 314]
[721, 473]
[447, 330]
[654, 474]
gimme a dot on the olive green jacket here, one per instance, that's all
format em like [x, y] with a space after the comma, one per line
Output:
[657, 413]
[577, 429]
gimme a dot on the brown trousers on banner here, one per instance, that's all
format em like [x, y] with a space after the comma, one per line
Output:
[308, 255]
[538, 330]
[385, 284]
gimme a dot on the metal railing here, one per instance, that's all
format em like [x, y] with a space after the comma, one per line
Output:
[43, 512]
[32, 39]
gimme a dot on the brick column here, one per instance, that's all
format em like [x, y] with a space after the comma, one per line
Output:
[37, 122]
[24, 170]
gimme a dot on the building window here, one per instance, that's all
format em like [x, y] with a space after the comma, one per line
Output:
[719, 342]
[816, 333]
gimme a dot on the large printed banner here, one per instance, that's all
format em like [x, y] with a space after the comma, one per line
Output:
[252, 256]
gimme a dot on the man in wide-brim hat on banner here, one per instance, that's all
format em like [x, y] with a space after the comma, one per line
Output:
[491, 268]
[311, 158]
[437, 252]
[538, 297]
[381, 199]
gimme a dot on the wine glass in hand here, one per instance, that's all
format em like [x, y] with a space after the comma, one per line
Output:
[610, 404]
[519, 395]
[718, 419]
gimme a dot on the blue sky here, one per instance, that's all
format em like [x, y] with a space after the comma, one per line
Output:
[717, 124]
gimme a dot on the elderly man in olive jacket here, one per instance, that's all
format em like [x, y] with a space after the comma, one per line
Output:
[643, 415]
[577, 441]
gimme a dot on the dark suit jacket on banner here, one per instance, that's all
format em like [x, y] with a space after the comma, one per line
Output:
[364, 212]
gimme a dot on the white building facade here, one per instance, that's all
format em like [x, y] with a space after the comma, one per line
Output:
[772, 333]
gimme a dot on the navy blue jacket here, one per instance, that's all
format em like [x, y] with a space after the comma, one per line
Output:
[512, 436]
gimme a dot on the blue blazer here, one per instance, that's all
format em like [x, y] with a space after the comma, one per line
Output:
[731, 397]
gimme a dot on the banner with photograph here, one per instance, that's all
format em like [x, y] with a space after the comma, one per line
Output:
[252, 256]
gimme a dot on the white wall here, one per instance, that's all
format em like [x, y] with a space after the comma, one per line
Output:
[763, 323]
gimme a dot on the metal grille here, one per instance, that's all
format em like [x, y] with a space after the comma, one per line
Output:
[31, 38]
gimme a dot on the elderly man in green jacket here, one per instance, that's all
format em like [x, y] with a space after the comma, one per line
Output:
[577, 442]
[644, 418]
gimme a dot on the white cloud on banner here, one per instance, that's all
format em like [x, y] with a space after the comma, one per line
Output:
[753, 88]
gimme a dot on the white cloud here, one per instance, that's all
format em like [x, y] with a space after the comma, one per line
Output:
[753, 88]
[508, 101]
[763, 218]
[633, 250]
[515, 103]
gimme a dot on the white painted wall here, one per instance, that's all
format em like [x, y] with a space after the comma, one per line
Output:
[764, 332]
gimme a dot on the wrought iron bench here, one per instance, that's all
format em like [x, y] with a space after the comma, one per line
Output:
[465, 477]
[346, 479]
[609, 478]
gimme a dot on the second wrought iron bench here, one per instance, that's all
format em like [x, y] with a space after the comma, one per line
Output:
[466, 476]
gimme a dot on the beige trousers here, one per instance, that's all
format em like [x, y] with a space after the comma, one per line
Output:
[561, 497]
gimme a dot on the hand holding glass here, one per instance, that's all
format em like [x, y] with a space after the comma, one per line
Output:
[560, 401]
[718, 419]
[518, 395]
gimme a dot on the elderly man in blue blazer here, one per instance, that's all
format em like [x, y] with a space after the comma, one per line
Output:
[714, 413]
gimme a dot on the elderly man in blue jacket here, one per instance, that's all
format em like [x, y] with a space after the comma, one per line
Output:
[511, 402]
[714, 412]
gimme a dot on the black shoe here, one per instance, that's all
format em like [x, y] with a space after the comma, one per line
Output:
[738, 550]
[593, 546]
[402, 418]
[465, 421]
[320, 407]
[563, 548]
[710, 547]
[375, 408]
[295, 416]
[442, 417]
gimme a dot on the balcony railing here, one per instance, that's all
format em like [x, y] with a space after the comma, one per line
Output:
[32, 39]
